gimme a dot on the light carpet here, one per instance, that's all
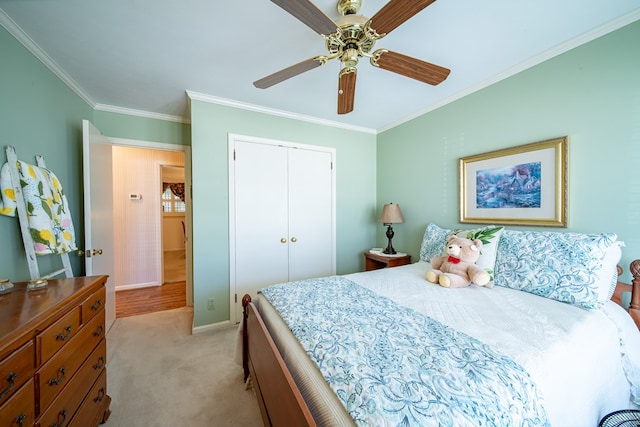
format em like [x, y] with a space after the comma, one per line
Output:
[158, 374]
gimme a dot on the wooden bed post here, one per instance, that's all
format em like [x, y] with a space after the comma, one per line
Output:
[246, 299]
[634, 306]
[634, 288]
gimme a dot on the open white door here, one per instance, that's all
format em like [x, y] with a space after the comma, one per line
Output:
[98, 210]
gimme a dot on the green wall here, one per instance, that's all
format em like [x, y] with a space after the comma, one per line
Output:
[355, 187]
[117, 125]
[591, 94]
[39, 114]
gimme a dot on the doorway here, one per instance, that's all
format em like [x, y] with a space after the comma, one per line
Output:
[147, 277]
[118, 194]
[174, 235]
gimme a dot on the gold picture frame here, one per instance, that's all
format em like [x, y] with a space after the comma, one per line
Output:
[523, 185]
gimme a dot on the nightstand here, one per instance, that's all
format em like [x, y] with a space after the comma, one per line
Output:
[376, 261]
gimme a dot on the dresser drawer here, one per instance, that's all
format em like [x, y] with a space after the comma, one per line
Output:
[15, 370]
[49, 341]
[58, 371]
[66, 403]
[52, 352]
[93, 305]
[18, 410]
[91, 412]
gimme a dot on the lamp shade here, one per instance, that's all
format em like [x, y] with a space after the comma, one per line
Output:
[391, 214]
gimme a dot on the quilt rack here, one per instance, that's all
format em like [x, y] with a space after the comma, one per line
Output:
[21, 207]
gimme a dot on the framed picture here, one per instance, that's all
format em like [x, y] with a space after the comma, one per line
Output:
[523, 185]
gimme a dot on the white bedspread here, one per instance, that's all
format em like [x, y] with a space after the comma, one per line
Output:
[573, 355]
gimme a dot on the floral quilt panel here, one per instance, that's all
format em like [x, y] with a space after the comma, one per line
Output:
[48, 214]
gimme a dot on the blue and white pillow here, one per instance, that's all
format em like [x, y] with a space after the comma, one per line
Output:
[574, 268]
[434, 243]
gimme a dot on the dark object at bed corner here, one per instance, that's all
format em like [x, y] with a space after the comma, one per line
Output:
[626, 417]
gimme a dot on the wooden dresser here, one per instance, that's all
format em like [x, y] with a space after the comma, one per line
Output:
[53, 354]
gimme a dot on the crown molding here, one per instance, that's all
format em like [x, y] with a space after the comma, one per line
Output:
[274, 112]
[141, 113]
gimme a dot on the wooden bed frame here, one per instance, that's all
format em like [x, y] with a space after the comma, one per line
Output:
[280, 400]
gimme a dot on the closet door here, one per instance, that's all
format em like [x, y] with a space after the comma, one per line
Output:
[281, 215]
[310, 214]
[261, 215]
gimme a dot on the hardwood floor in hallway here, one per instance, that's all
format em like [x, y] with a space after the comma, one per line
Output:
[149, 300]
[171, 295]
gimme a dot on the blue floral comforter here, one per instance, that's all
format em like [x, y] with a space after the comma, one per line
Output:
[390, 365]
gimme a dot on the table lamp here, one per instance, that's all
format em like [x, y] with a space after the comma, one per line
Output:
[390, 215]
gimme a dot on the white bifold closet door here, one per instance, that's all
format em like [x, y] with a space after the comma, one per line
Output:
[282, 215]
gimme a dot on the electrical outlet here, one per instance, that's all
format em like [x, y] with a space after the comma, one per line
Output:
[210, 304]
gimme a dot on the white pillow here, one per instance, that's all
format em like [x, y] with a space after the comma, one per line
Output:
[607, 275]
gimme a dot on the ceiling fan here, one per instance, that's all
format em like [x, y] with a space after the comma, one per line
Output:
[351, 37]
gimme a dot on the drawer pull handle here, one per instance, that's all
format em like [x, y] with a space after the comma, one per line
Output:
[100, 363]
[96, 306]
[20, 419]
[11, 380]
[60, 336]
[60, 422]
[98, 331]
[60, 378]
[100, 395]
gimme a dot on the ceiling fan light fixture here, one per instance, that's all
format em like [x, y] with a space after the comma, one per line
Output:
[350, 57]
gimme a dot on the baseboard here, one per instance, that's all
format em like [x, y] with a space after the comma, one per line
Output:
[212, 327]
[137, 286]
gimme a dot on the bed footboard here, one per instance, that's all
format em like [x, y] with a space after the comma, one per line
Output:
[280, 401]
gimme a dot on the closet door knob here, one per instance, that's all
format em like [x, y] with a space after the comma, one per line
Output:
[293, 239]
[283, 240]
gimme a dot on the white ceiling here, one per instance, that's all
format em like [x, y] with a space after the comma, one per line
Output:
[145, 56]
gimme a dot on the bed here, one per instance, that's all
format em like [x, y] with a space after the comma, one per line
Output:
[549, 344]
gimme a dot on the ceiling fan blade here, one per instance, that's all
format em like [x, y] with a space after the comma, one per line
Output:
[346, 89]
[395, 13]
[410, 67]
[287, 73]
[309, 14]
